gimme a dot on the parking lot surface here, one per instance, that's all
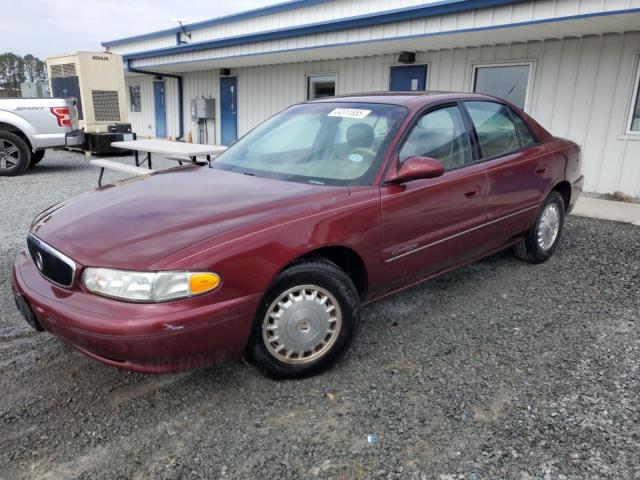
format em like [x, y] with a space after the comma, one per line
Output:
[500, 370]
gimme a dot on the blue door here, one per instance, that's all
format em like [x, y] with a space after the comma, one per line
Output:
[408, 78]
[161, 109]
[228, 110]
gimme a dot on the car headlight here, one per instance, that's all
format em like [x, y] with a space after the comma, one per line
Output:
[148, 286]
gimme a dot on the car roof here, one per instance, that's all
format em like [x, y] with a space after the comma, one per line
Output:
[409, 99]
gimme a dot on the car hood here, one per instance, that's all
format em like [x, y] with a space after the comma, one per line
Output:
[137, 222]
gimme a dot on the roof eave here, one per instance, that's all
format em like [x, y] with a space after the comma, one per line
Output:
[371, 19]
[257, 12]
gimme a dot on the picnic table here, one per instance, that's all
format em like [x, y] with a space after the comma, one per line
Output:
[176, 151]
[170, 149]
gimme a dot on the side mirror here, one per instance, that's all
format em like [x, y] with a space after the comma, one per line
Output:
[414, 168]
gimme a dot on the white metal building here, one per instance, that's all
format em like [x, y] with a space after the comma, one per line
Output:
[572, 64]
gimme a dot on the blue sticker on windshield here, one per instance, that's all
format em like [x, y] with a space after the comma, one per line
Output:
[356, 157]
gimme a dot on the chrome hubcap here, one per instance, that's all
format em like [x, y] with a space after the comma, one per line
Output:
[302, 324]
[549, 226]
[9, 154]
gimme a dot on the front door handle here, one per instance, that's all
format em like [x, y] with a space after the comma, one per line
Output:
[473, 193]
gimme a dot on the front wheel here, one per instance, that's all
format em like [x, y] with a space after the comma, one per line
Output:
[543, 238]
[306, 321]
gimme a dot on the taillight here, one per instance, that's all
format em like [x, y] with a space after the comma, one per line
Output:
[63, 115]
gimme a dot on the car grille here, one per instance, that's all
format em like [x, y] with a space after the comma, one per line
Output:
[52, 264]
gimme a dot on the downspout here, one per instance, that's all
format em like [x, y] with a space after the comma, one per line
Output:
[180, 94]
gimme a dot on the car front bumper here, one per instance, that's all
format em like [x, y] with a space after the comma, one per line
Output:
[150, 338]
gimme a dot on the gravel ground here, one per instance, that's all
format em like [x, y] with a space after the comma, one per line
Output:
[501, 370]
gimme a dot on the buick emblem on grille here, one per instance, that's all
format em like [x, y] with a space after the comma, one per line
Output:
[39, 261]
[52, 264]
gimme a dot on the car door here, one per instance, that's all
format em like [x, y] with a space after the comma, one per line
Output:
[429, 225]
[514, 162]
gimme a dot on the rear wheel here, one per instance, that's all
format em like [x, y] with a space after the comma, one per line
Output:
[36, 157]
[14, 155]
[306, 321]
[543, 238]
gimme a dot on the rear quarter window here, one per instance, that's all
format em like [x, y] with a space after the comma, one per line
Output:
[526, 137]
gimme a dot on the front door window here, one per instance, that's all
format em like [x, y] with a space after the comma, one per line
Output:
[440, 134]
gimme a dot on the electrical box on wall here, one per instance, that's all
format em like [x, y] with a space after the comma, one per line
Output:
[203, 108]
[206, 107]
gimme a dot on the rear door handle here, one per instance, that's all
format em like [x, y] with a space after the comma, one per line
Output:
[473, 193]
[541, 170]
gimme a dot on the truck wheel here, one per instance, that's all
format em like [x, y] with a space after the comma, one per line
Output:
[306, 321]
[14, 155]
[36, 157]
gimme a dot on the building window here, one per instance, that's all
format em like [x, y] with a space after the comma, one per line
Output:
[134, 98]
[634, 116]
[509, 81]
[319, 86]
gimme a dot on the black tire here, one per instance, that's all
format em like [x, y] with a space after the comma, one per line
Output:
[36, 157]
[312, 271]
[17, 160]
[530, 249]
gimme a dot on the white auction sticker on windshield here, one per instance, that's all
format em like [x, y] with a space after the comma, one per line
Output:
[349, 113]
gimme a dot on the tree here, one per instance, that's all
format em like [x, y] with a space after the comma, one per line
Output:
[15, 70]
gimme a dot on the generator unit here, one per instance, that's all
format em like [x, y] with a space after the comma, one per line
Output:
[96, 81]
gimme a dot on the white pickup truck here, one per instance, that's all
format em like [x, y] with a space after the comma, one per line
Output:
[28, 126]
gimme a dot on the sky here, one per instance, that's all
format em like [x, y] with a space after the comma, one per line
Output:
[50, 27]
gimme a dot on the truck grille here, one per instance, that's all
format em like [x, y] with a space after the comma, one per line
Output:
[52, 264]
[106, 105]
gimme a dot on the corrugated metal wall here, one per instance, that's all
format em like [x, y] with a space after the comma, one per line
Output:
[142, 123]
[581, 90]
[198, 84]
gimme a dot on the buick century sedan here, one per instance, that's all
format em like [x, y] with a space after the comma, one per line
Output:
[271, 252]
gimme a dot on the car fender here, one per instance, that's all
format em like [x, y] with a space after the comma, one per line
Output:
[249, 263]
[564, 166]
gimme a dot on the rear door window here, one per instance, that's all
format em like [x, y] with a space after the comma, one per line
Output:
[496, 131]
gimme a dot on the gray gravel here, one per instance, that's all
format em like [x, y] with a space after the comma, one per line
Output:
[500, 370]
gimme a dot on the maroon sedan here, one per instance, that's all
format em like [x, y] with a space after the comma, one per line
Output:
[271, 252]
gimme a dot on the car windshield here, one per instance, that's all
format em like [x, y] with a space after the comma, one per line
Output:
[318, 143]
